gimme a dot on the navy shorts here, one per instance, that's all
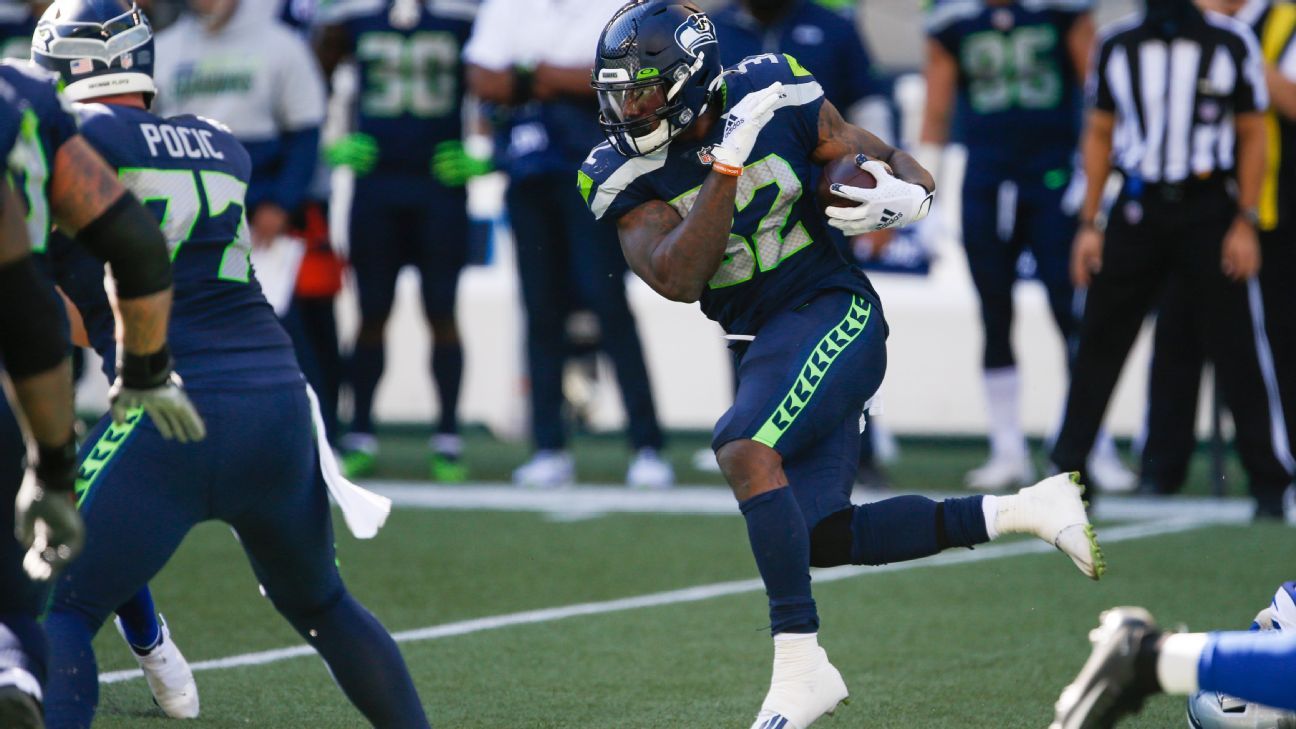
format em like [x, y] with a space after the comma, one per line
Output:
[407, 221]
[17, 593]
[802, 386]
[257, 470]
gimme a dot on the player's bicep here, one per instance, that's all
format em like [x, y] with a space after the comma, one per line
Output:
[82, 186]
[14, 243]
[642, 231]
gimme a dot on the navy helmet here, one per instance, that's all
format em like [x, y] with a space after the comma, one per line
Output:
[657, 69]
[98, 47]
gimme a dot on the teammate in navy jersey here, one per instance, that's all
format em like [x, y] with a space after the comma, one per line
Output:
[1004, 78]
[17, 21]
[705, 173]
[401, 214]
[258, 469]
[62, 179]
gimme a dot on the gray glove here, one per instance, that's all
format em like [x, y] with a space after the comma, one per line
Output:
[46, 520]
[149, 383]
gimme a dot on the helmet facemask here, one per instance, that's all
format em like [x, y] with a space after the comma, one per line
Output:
[641, 116]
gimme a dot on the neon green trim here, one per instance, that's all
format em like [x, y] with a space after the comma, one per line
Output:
[586, 185]
[102, 452]
[797, 68]
[647, 73]
[814, 370]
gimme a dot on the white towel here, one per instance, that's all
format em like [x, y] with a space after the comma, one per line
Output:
[364, 511]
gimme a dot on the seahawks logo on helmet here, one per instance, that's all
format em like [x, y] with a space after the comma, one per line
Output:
[694, 33]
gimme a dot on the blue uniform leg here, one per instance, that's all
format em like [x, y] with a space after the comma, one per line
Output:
[442, 254]
[137, 512]
[989, 222]
[1049, 231]
[22, 642]
[377, 233]
[542, 253]
[598, 269]
[1254, 667]
[282, 518]
[139, 621]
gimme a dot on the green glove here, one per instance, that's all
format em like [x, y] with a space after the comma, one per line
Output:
[357, 151]
[454, 166]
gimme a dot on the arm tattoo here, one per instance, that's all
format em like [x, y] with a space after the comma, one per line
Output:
[82, 186]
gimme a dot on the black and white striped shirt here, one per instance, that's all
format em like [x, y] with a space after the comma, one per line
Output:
[1175, 99]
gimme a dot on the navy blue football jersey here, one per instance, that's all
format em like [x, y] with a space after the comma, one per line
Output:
[779, 253]
[411, 78]
[1019, 96]
[37, 124]
[193, 176]
[824, 42]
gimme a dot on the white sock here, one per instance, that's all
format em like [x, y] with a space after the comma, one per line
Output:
[1003, 387]
[990, 510]
[796, 652]
[1177, 662]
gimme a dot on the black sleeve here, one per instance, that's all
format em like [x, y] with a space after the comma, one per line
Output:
[33, 329]
[129, 239]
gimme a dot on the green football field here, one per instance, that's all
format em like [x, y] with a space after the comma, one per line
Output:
[599, 607]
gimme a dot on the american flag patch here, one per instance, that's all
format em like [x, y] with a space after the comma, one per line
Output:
[80, 66]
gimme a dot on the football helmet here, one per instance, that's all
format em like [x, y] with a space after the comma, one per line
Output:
[98, 47]
[656, 71]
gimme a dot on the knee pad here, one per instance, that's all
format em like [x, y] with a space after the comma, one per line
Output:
[832, 540]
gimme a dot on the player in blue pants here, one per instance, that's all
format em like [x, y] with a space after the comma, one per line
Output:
[401, 214]
[704, 173]
[1133, 659]
[257, 470]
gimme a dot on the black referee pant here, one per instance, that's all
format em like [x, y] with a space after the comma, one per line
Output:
[1174, 233]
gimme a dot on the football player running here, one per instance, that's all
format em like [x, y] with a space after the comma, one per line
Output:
[259, 469]
[64, 181]
[704, 172]
[1235, 680]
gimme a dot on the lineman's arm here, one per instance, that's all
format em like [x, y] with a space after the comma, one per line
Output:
[678, 256]
[942, 82]
[89, 203]
[1079, 40]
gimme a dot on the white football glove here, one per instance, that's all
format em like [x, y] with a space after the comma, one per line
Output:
[47, 524]
[892, 204]
[743, 125]
[166, 404]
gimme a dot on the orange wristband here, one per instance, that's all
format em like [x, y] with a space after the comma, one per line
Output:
[724, 169]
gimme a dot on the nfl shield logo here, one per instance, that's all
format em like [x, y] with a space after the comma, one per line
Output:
[81, 66]
[128, 60]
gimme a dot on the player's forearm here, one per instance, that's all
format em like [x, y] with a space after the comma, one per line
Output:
[46, 401]
[143, 322]
[837, 138]
[1252, 146]
[1282, 93]
[690, 254]
[550, 82]
[493, 86]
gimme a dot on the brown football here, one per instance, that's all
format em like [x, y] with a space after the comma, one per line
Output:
[842, 171]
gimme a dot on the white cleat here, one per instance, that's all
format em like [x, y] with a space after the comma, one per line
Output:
[649, 471]
[1053, 511]
[804, 685]
[546, 470]
[168, 676]
[1002, 473]
[1109, 474]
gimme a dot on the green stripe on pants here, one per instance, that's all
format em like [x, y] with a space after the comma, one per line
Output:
[102, 452]
[814, 370]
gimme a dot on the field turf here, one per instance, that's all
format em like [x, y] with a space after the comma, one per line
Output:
[984, 643]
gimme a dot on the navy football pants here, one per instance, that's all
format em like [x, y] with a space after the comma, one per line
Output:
[257, 471]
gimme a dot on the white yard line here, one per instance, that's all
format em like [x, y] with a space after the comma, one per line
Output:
[599, 500]
[686, 595]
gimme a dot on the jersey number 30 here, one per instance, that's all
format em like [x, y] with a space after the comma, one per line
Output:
[414, 75]
[193, 197]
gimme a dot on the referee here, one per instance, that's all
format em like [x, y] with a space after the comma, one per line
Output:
[1177, 101]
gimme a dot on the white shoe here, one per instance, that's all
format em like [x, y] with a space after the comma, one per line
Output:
[649, 471]
[546, 470]
[1053, 511]
[804, 685]
[168, 675]
[1001, 473]
[1109, 474]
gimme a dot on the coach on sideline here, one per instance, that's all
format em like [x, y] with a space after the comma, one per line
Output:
[1177, 101]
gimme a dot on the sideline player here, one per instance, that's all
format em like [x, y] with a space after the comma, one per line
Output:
[1133, 659]
[704, 173]
[1007, 76]
[401, 214]
[258, 469]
